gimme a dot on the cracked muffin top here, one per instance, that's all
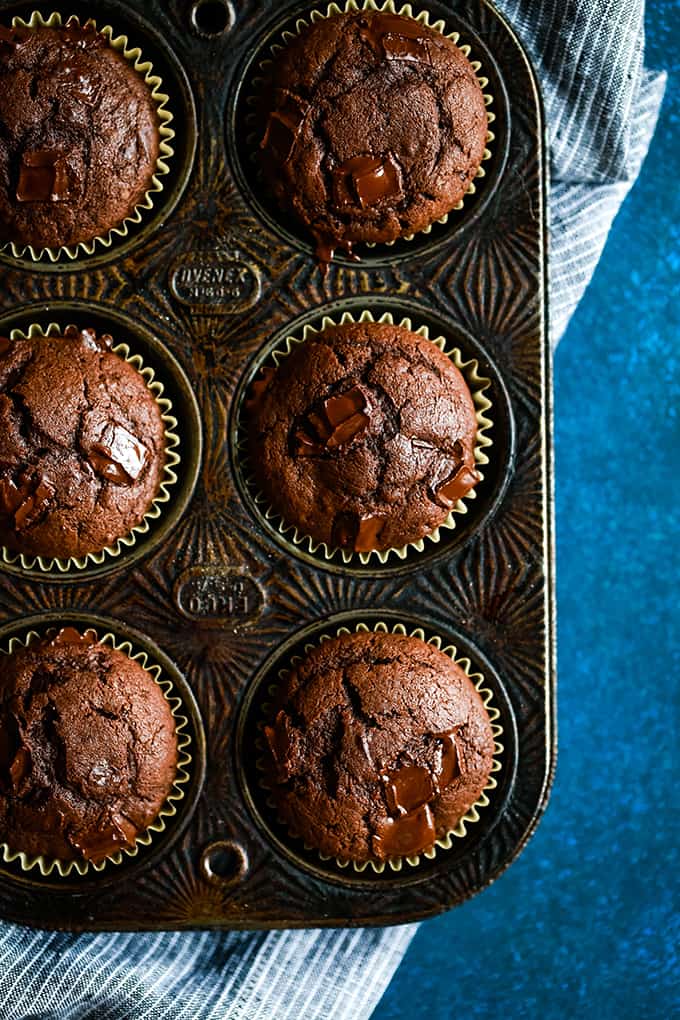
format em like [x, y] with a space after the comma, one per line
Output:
[363, 437]
[88, 748]
[79, 136]
[378, 745]
[82, 445]
[374, 127]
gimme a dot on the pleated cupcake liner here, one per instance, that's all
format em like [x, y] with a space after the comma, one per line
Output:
[49, 866]
[471, 816]
[144, 68]
[477, 384]
[57, 565]
[387, 7]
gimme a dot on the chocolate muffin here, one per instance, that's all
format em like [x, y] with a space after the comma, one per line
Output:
[375, 125]
[82, 445]
[364, 437]
[79, 135]
[88, 749]
[378, 746]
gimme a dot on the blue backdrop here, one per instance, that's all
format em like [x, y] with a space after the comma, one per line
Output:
[583, 924]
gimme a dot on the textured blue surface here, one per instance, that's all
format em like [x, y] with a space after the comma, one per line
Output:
[583, 924]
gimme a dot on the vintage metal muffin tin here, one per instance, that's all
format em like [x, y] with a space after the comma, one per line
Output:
[204, 288]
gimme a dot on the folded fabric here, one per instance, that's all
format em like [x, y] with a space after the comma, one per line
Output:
[601, 109]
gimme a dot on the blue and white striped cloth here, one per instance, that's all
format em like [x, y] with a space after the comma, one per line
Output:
[601, 107]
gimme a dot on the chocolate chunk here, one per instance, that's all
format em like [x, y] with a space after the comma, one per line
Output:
[458, 485]
[5, 344]
[119, 456]
[405, 835]
[284, 125]
[42, 177]
[407, 788]
[342, 418]
[357, 532]
[25, 500]
[447, 765]
[367, 180]
[397, 38]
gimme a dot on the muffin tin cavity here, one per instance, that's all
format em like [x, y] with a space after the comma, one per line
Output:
[477, 510]
[191, 743]
[188, 431]
[249, 749]
[245, 132]
[180, 104]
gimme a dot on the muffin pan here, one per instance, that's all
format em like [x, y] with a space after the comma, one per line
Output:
[205, 289]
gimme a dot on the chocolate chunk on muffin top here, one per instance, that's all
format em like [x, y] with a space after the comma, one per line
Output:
[88, 748]
[82, 445]
[374, 127]
[363, 437]
[79, 135]
[378, 745]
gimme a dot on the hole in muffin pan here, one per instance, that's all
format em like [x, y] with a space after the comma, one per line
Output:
[241, 122]
[210, 18]
[224, 863]
[184, 408]
[180, 103]
[292, 849]
[162, 842]
[497, 472]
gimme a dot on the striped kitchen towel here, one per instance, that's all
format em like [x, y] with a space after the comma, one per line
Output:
[601, 107]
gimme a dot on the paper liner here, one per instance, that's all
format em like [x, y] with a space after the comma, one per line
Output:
[168, 478]
[477, 385]
[387, 7]
[472, 814]
[133, 54]
[47, 866]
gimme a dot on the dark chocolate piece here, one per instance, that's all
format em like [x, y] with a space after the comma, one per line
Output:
[407, 788]
[397, 38]
[118, 456]
[42, 177]
[458, 485]
[284, 125]
[366, 179]
[404, 836]
[340, 420]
